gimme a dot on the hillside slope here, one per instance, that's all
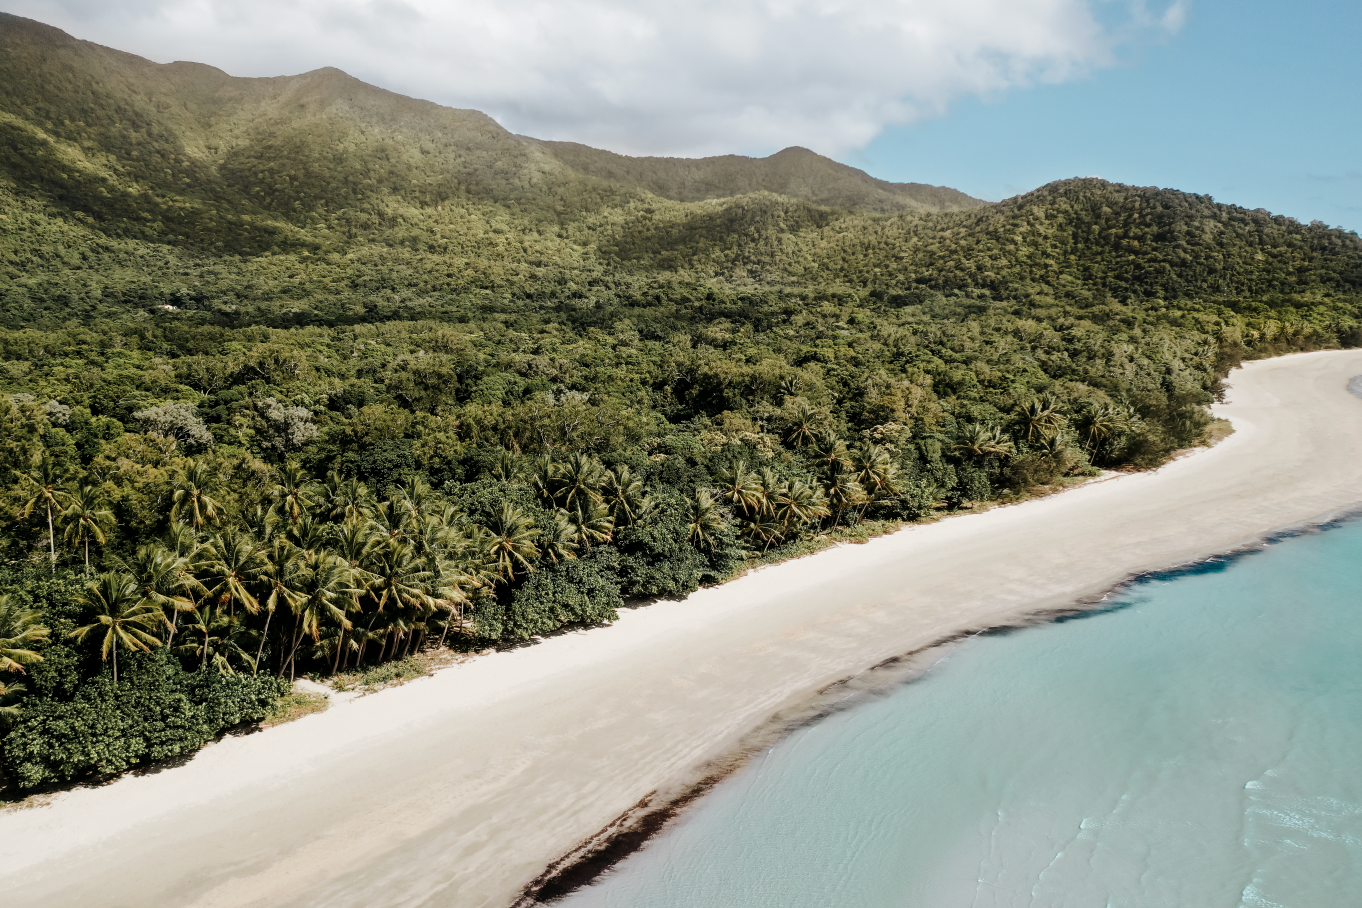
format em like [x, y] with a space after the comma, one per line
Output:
[121, 138]
[795, 172]
[316, 197]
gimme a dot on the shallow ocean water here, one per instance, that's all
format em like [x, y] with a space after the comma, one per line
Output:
[1199, 743]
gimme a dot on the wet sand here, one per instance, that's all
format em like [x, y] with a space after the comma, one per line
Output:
[459, 789]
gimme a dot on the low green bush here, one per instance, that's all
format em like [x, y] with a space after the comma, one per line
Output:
[157, 710]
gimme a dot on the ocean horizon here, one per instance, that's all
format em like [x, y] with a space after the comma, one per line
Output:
[1193, 742]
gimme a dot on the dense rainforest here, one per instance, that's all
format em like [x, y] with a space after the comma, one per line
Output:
[299, 376]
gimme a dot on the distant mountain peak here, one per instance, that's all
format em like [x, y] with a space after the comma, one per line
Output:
[347, 138]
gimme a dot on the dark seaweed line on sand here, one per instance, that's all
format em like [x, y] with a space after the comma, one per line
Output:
[641, 823]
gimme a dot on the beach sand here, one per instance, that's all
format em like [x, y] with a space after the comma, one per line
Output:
[458, 790]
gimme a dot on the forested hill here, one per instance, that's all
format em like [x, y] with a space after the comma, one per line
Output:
[794, 172]
[298, 375]
[114, 160]
[101, 130]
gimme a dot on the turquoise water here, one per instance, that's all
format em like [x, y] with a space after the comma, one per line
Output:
[1200, 744]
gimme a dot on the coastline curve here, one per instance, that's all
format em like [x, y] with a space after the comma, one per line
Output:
[597, 855]
[460, 789]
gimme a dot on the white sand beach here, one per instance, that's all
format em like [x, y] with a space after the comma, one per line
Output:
[458, 790]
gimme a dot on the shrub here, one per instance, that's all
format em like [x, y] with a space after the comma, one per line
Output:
[581, 591]
[157, 710]
[656, 559]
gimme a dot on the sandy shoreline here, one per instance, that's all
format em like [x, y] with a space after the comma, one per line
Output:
[459, 789]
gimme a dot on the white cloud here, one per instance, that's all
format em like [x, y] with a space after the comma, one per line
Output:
[646, 76]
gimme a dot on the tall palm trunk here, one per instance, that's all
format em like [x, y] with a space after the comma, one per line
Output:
[175, 620]
[52, 541]
[445, 632]
[295, 640]
[340, 642]
[364, 644]
[264, 635]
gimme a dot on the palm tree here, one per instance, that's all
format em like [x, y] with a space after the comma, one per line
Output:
[326, 596]
[874, 469]
[471, 547]
[399, 585]
[577, 483]
[740, 487]
[355, 544]
[768, 484]
[506, 468]
[44, 491]
[261, 522]
[622, 494]
[594, 524]
[20, 629]
[560, 542]
[230, 564]
[1058, 447]
[803, 425]
[294, 494]
[398, 576]
[431, 535]
[448, 589]
[415, 495]
[512, 544]
[829, 453]
[843, 493]
[345, 500]
[221, 636]
[796, 503]
[192, 499]
[706, 519]
[543, 477]
[165, 580]
[126, 618]
[980, 442]
[85, 517]
[1104, 422]
[10, 692]
[391, 519]
[762, 529]
[1041, 416]
[181, 540]
[307, 535]
[280, 579]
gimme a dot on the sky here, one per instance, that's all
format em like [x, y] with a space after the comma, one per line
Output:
[1253, 102]
[1248, 100]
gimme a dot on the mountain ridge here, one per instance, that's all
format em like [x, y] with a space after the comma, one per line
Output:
[218, 131]
[120, 161]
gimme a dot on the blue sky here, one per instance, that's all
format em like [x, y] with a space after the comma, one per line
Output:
[1253, 102]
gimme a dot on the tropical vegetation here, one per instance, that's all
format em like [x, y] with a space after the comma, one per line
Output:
[302, 378]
